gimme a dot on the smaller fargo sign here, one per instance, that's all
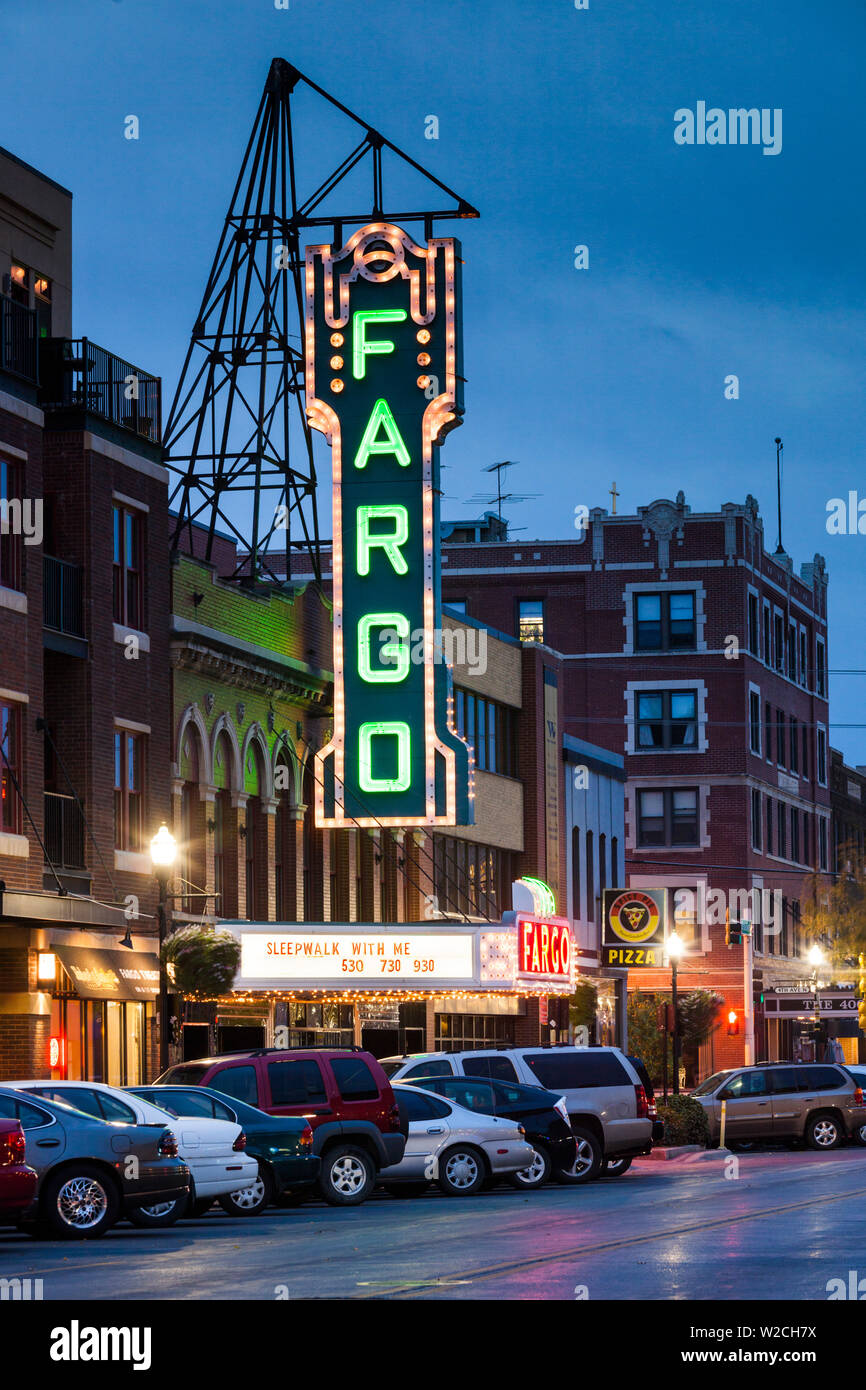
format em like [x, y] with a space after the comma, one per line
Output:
[543, 948]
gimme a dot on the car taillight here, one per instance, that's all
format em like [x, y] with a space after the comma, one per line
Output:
[167, 1146]
[641, 1101]
[394, 1116]
[240, 1143]
[306, 1139]
[12, 1148]
[561, 1108]
[858, 1096]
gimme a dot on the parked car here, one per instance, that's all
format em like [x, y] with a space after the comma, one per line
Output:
[281, 1144]
[820, 1103]
[343, 1093]
[17, 1179]
[213, 1149]
[456, 1148]
[89, 1172]
[615, 1167]
[859, 1075]
[607, 1103]
[543, 1114]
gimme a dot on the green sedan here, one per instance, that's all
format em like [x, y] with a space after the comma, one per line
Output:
[283, 1144]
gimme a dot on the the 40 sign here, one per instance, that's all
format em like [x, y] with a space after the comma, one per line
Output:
[384, 385]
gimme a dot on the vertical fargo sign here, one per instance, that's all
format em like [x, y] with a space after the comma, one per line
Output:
[383, 364]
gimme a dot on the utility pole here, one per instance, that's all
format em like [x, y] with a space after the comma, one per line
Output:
[748, 996]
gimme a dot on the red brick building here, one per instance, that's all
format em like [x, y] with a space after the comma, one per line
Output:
[84, 677]
[701, 658]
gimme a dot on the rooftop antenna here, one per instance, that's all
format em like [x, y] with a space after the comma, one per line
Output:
[501, 496]
[780, 549]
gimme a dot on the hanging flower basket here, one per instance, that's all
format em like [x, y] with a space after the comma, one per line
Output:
[203, 962]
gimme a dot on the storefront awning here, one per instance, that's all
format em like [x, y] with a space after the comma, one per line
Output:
[100, 974]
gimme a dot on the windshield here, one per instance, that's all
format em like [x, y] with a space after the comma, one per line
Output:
[184, 1075]
[707, 1087]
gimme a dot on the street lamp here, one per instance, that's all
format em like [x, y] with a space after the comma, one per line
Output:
[163, 852]
[815, 957]
[675, 947]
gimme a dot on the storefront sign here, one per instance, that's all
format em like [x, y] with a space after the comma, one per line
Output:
[100, 974]
[782, 1003]
[354, 959]
[543, 948]
[634, 928]
[383, 383]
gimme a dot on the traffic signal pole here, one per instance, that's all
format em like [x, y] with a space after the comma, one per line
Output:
[748, 999]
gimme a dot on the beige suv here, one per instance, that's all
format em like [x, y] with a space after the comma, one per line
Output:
[822, 1104]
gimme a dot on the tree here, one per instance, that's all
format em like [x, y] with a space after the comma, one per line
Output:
[834, 910]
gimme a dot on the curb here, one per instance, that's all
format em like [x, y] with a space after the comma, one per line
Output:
[679, 1151]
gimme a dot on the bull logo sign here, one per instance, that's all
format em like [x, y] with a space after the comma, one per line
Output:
[384, 385]
[634, 928]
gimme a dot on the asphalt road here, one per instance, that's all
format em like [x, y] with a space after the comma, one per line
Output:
[781, 1227]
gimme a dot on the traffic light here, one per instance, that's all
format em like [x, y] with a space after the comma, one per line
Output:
[733, 930]
[733, 1023]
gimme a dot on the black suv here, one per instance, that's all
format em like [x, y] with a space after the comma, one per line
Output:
[543, 1114]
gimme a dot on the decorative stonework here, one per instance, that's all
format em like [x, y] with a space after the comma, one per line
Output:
[662, 520]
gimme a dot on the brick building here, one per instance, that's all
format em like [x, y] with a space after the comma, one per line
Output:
[848, 799]
[83, 666]
[701, 659]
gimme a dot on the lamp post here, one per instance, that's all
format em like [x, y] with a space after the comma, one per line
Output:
[675, 946]
[163, 852]
[815, 957]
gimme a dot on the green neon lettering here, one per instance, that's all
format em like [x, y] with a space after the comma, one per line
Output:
[393, 729]
[382, 416]
[390, 544]
[395, 653]
[361, 349]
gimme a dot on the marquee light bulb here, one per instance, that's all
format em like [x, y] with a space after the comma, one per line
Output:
[336, 386]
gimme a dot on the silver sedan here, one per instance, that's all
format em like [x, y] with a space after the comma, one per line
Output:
[455, 1148]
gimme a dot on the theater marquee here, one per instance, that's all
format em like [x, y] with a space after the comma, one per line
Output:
[384, 385]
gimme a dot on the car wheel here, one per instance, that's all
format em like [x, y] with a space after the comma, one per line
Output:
[823, 1132]
[406, 1189]
[536, 1174]
[347, 1176]
[859, 1136]
[250, 1201]
[588, 1161]
[461, 1171]
[160, 1214]
[81, 1203]
[615, 1167]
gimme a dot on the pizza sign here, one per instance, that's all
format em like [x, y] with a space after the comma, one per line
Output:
[634, 928]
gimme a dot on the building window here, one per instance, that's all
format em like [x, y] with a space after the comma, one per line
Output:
[575, 874]
[756, 819]
[755, 721]
[668, 817]
[795, 835]
[590, 878]
[614, 862]
[128, 760]
[821, 760]
[468, 1032]
[820, 667]
[128, 551]
[769, 826]
[10, 771]
[792, 651]
[805, 752]
[667, 719]
[531, 619]
[490, 729]
[753, 624]
[602, 865]
[804, 666]
[768, 730]
[11, 538]
[780, 738]
[822, 843]
[794, 743]
[767, 641]
[779, 641]
[664, 621]
[782, 830]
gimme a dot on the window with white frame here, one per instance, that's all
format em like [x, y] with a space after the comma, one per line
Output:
[821, 754]
[756, 819]
[768, 657]
[667, 816]
[666, 719]
[755, 720]
[820, 667]
[754, 636]
[822, 843]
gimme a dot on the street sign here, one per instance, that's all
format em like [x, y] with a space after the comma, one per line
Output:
[384, 385]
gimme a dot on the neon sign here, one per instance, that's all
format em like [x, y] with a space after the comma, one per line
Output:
[384, 387]
[543, 947]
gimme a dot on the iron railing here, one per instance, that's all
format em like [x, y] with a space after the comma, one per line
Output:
[62, 596]
[64, 831]
[18, 340]
[76, 374]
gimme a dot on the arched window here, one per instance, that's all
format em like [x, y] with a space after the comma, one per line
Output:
[314, 910]
[193, 826]
[255, 838]
[285, 853]
[225, 832]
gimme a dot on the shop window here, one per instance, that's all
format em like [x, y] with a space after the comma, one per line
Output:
[128, 552]
[10, 768]
[468, 1032]
[664, 621]
[668, 817]
[667, 719]
[11, 536]
[128, 782]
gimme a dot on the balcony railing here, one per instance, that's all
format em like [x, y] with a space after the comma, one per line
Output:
[64, 831]
[62, 596]
[77, 375]
[18, 340]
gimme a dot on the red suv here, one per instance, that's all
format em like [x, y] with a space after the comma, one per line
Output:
[343, 1092]
[17, 1180]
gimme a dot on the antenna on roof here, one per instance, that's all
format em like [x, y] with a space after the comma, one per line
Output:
[501, 496]
[780, 549]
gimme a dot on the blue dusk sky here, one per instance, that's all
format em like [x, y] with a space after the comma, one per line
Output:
[558, 124]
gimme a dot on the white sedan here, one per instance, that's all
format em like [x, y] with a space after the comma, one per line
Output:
[212, 1149]
[456, 1148]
